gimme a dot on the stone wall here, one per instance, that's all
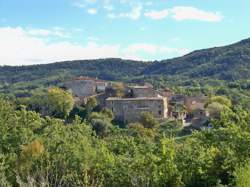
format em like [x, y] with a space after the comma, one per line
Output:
[101, 86]
[82, 88]
[129, 109]
[142, 91]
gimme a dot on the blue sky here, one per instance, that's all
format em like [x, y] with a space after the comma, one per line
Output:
[44, 31]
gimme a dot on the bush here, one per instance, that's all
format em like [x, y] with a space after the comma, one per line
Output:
[242, 175]
[101, 127]
[148, 120]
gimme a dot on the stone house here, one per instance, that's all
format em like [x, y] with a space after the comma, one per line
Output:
[177, 108]
[196, 106]
[142, 91]
[129, 109]
[140, 98]
[83, 87]
[101, 85]
[197, 114]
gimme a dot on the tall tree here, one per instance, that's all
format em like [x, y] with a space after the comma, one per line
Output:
[60, 102]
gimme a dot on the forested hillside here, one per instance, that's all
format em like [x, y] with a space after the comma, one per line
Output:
[225, 63]
[217, 68]
[110, 69]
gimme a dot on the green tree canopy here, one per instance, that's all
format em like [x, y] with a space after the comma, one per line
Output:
[60, 102]
[148, 120]
[242, 175]
[220, 99]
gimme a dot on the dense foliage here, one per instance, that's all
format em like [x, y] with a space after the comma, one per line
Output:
[92, 150]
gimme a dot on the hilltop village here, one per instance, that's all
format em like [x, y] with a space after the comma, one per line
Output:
[127, 102]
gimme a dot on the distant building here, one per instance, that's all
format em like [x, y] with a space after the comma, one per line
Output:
[101, 85]
[129, 109]
[177, 99]
[195, 102]
[146, 90]
[128, 106]
[85, 86]
[197, 114]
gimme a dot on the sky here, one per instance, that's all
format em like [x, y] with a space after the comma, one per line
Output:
[46, 31]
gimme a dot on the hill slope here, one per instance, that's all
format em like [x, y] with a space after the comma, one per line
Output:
[228, 64]
[110, 69]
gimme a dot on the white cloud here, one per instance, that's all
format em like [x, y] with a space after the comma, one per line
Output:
[181, 13]
[134, 14]
[83, 3]
[39, 32]
[19, 47]
[142, 47]
[157, 14]
[191, 13]
[86, 4]
[178, 13]
[56, 31]
[92, 11]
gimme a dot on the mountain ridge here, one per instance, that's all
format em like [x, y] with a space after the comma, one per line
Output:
[244, 42]
[218, 59]
[230, 62]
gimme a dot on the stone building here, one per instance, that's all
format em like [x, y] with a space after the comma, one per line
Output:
[197, 114]
[83, 87]
[101, 85]
[129, 109]
[195, 102]
[142, 91]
